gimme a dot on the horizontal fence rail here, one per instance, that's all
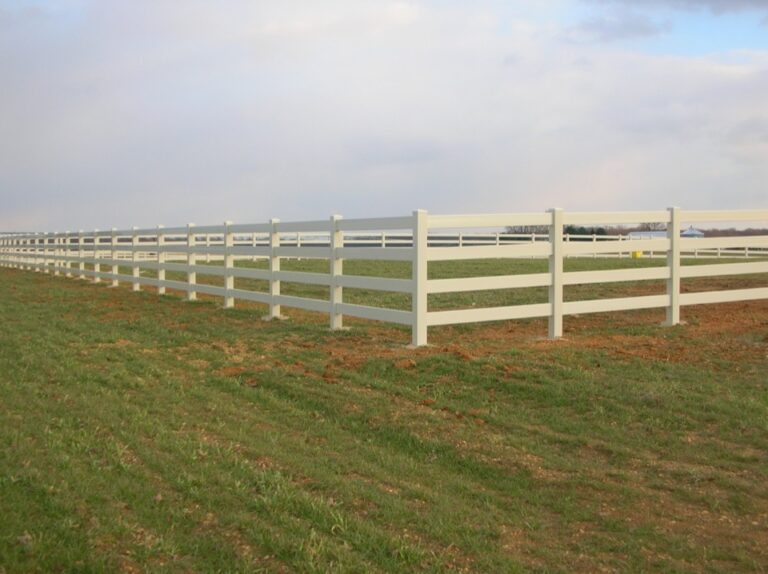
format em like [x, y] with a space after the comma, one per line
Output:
[196, 252]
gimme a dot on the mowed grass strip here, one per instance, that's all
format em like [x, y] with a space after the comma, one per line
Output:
[143, 433]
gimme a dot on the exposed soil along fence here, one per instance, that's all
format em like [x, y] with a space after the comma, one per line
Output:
[245, 261]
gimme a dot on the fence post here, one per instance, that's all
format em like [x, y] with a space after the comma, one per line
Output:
[160, 260]
[191, 262]
[113, 256]
[39, 257]
[229, 263]
[81, 254]
[44, 252]
[135, 285]
[274, 267]
[50, 251]
[336, 269]
[96, 264]
[55, 253]
[419, 279]
[33, 252]
[673, 262]
[556, 271]
[67, 262]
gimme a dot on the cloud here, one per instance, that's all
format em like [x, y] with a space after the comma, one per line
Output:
[716, 6]
[137, 113]
[620, 25]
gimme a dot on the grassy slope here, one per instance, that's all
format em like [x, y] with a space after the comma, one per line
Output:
[139, 432]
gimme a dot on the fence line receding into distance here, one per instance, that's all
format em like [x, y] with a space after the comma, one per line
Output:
[417, 239]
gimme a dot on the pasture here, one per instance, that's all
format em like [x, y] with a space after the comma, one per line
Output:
[145, 433]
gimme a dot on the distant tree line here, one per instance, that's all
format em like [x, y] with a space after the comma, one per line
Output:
[621, 230]
[544, 229]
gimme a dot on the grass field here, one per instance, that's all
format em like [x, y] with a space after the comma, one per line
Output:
[144, 433]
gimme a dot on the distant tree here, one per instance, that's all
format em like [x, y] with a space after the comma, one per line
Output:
[656, 226]
[581, 230]
[527, 229]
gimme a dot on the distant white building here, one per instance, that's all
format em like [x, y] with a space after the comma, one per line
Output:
[691, 232]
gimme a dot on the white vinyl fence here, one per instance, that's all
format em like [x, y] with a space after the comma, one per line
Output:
[418, 239]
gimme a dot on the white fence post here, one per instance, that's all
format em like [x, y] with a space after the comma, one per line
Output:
[274, 267]
[336, 269]
[56, 253]
[673, 262]
[556, 271]
[191, 262]
[113, 257]
[160, 260]
[40, 252]
[45, 252]
[67, 253]
[53, 252]
[419, 277]
[96, 264]
[229, 263]
[33, 252]
[81, 254]
[135, 285]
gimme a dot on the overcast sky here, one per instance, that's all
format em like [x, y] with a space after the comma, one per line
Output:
[146, 112]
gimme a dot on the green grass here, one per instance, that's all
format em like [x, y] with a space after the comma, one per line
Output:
[143, 433]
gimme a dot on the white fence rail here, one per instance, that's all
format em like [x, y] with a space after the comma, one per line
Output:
[418, 239]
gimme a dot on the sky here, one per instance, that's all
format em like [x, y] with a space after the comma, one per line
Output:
[116, 113]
